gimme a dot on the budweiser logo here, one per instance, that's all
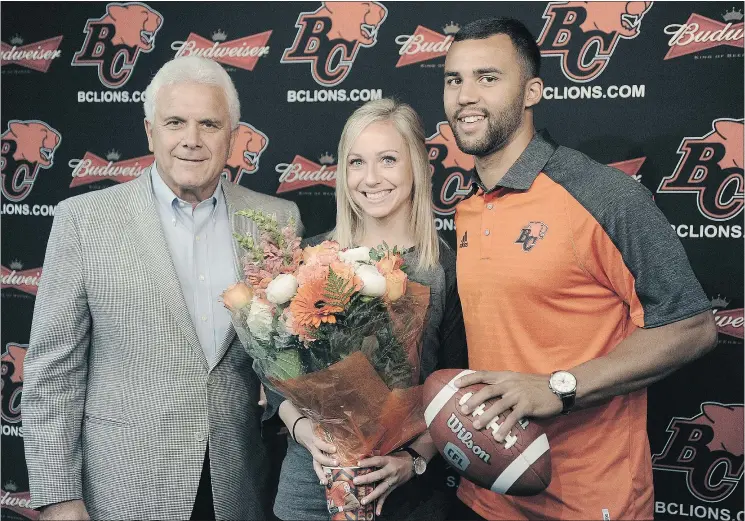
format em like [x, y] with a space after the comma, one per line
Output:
[630, 167]
[19, 502]
[700, 33]
[26, 280]
[730, 322]
[92, 169]
[243, 53]
[425, 44]
[302, 173]
[36, 56]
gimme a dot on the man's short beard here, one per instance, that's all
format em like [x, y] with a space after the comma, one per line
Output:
[498, 133]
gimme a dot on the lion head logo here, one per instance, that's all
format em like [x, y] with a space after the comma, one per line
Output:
[27, 146]
[711, 166]
[531, 234]
[12, 374]
[584, 35]
[708, 449]
[451, 170]
[330, 37]
[114, 42]
[247, 149]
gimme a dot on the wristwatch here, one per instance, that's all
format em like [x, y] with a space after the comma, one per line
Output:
[419, 463]
[564, 385]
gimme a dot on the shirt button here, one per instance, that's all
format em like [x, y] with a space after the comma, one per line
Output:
[489, 206]
[200, 436]
[486, 232]
[201, 277]
[204, 318]
[197, 237]
[211, 380]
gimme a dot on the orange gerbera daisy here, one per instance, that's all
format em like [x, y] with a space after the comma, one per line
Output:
[309, 306]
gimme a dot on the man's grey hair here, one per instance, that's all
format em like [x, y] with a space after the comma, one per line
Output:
[193, 69]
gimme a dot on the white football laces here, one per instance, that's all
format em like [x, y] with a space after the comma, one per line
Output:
[493, 425]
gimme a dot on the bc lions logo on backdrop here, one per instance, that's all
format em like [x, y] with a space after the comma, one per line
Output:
[114, 42]
[708, 448]
[245, 154]
[12, 373]
[584, 35]
[330, 37]
[712, 167]
[451, 170]
[27, 146]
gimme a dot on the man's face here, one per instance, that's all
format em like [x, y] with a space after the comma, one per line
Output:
[191, 138]
[484, 93]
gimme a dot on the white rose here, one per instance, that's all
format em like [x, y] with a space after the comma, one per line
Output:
[373, 282]
[361, 254]
[281, 289]
[259, 320]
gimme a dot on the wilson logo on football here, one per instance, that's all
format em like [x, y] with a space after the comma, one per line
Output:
[37, 56]
[244, 157]
[26, 147]
[708, 449]
[700, 33]
[12, 373]
[302, 173]
[711, 167]
[584, 35]
[114, 42]
[92, 168]
[243, 53]
[425, 44]
[330, 37]
[451, 170]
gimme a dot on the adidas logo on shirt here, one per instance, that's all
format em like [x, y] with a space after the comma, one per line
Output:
[464, 241]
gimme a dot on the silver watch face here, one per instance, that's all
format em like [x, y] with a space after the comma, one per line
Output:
[420, 465]
[563, 382]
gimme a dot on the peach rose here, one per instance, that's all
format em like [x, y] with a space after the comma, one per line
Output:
[395, 284]
[389, 263]
[325, 253]
[237, 296]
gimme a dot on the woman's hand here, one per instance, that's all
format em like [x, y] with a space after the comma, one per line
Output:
[395, 470]
[319, 449]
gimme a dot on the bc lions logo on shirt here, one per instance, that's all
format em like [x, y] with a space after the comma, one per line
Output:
[530, 234]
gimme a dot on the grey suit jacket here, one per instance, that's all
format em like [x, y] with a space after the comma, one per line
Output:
[118, 401]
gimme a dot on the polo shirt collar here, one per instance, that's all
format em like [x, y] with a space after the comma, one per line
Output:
[524, 171]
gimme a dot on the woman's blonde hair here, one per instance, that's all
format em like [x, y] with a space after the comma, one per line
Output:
[349, 216]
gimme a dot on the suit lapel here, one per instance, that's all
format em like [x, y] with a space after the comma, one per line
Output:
[145, 230]
[241, 225]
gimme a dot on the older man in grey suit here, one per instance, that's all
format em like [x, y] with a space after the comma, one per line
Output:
[139, 401]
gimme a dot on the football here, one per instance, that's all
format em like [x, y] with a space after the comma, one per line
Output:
[519, 466]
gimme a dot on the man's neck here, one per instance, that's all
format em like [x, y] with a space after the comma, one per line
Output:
[492, 168]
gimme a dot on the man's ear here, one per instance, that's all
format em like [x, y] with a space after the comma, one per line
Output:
[533, 92]
[149, 132]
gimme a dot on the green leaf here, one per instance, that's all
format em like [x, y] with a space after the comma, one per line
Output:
[286, 365]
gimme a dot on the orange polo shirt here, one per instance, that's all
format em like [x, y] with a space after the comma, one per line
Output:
[558, 264]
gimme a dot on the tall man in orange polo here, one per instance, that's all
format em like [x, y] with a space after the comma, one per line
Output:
[576, 293]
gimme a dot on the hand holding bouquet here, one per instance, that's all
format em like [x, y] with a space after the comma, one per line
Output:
[336, 331]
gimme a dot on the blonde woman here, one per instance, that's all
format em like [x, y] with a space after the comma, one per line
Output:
[384, 193]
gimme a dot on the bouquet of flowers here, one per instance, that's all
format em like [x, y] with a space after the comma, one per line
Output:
[336, 331]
